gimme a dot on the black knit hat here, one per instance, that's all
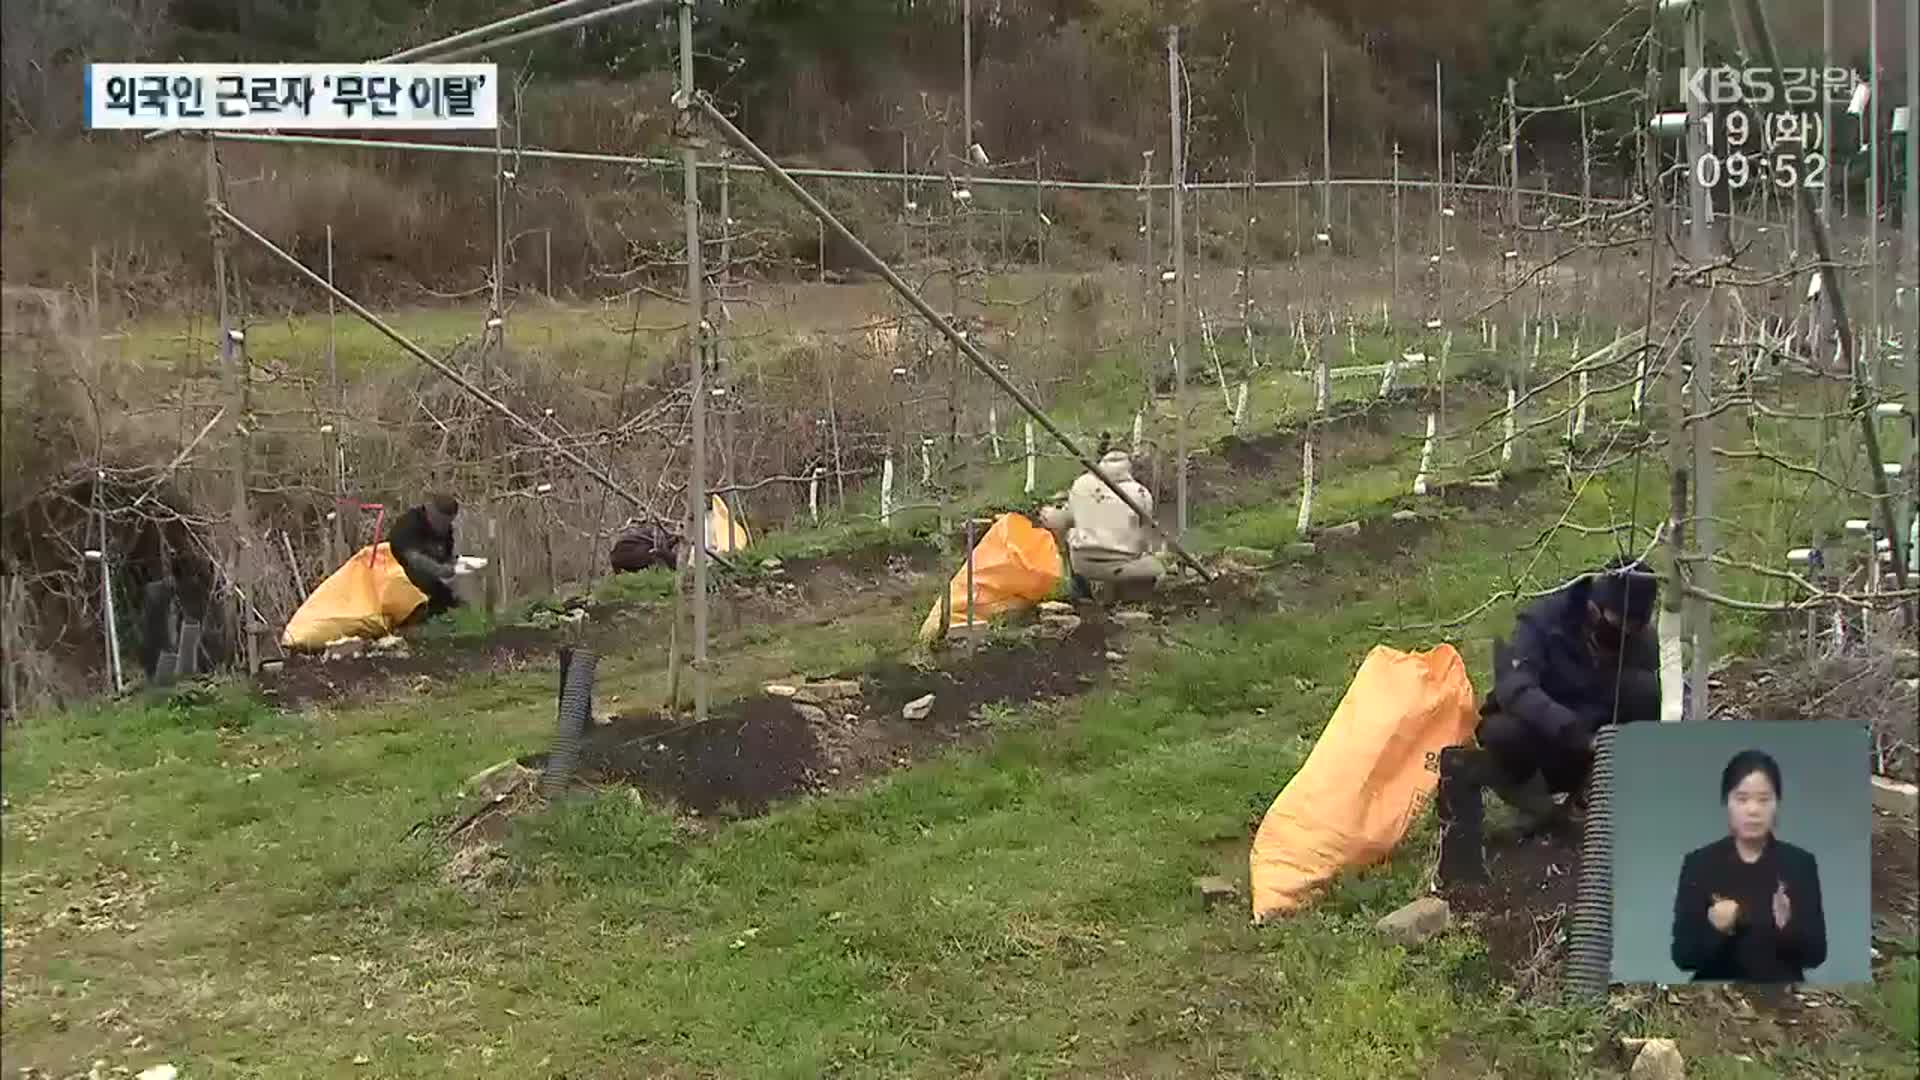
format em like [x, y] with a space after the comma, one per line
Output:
[1627, 588]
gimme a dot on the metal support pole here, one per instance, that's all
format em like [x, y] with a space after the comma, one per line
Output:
[233, 361]
[1704, 329]
[1177, 179]
[696, 363]
[336, 453]
[945, 328]
[1872, 358]
[1830, 287]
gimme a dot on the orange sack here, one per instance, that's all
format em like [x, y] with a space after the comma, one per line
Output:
[366, 598]
[1372, 771]
[1015, 566]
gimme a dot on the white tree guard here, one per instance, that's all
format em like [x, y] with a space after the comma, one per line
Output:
[1673, 686]
[1030, 458]
[1580, 409]
[1305, 521]
[813, 494]
[993, 430]
[1426, 455]
[1139, 429]
[1240, 405]
[1507, 427]
[886, 492]
[926, 462]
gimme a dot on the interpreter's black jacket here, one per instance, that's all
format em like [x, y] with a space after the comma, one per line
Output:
[1756, 950]
[1549, 679]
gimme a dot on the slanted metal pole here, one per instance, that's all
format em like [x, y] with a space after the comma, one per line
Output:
[946, 329]
[451, 374]
[1830, 287]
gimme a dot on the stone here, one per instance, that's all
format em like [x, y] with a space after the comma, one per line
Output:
[1114, 657]
[1896, 796]
[391, 645]
[812, 714]
[781, 690]
[346, 649]
[1417, 922]
[771, 564]
[918, 709]
[1658, 1059]
[1302, 549]
[1406, 515]
[1066, 624]
[271, 666]
[1132, 618]
[495, 780]
[1247, 556]
[822, 691]
[1345, 528]
[1215, 890]
[1055, 607]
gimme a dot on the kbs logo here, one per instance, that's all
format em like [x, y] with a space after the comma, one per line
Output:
[1757, 86]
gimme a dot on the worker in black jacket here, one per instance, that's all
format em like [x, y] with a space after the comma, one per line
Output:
[1579, 658]
[1747, 907]
[422, 542]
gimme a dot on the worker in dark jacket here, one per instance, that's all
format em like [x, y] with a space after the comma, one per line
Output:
[1580, 658]
[1747, 907]
[641, 544]
[422, 542]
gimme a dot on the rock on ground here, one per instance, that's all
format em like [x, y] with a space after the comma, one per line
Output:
[1658, 1059]
[1215, 890]
[1056, 607]
[919, 708]
[1417, 922]
[1132, 618]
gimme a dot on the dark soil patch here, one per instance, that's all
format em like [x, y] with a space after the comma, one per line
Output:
[1239, 469]
[1896, 883]
[754, 753]
[1522, 911]
[305, 679]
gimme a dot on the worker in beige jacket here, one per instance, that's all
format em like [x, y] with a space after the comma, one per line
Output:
[1104, 540]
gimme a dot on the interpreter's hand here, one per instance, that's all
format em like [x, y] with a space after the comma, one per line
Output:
[1782, 906]
[1723, 913]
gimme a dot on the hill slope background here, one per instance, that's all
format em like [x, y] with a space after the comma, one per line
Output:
[1071, 87]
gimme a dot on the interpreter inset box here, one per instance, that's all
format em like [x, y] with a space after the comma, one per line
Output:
[1742, 852]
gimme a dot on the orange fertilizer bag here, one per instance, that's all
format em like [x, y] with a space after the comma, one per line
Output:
[1015, 565]
[1372, 771]
[367, 597]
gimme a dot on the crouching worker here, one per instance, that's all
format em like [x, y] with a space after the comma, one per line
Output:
[1578, 659]
[422, 542]
[1104, 541]
[645, 544]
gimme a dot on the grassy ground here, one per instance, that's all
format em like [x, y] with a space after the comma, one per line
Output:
[243, 892]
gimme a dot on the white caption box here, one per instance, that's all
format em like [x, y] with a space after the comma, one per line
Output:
[316, 97]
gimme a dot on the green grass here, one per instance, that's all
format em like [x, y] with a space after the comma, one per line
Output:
[245, 891]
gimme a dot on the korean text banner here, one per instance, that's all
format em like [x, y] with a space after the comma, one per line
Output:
[321, 97]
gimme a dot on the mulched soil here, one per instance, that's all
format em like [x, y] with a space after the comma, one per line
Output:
[753, 753]
[1523, 910]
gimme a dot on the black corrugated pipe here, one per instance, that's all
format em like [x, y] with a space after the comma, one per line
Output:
[1590, 943]
[575, 713]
